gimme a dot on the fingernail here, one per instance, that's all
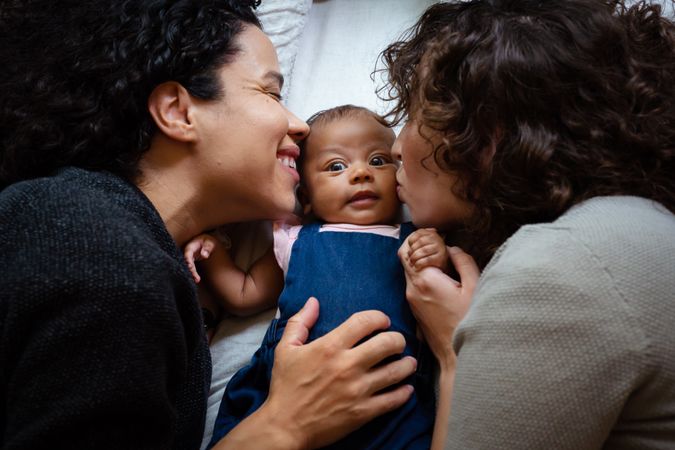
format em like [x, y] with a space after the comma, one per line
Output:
[455, 250]
[414, 361]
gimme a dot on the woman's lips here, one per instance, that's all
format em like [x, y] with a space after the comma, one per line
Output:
[289, 168]
[399, 192]
[287, 156]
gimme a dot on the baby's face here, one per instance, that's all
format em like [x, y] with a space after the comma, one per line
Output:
[349, 175]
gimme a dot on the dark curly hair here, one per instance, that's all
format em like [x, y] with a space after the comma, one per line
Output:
[77, 76]
[540, 104]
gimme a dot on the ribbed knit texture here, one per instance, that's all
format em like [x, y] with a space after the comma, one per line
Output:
[570, 340]
[101, 339]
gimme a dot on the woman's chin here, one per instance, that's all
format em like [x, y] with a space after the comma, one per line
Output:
[419, 220]
[427, 222]
[286, 210]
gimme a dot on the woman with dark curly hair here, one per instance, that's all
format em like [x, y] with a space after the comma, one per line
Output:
[544, 133]
[126, 128]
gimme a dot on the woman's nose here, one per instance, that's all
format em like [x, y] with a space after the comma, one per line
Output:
[297, 128]
[396, 150]
[361, 173]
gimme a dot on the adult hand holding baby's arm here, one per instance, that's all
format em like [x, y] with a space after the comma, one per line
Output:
[439, 303]
[323, 390]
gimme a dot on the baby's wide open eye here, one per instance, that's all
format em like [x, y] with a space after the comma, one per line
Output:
[379, 160]
[336, 166]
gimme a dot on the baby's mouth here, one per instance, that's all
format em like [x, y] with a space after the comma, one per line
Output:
[364, 197]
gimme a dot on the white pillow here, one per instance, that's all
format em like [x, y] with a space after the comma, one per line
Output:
[284, 21]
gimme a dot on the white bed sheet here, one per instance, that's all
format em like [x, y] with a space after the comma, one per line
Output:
[339, 49]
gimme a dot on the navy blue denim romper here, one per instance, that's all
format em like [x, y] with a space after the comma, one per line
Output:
[348, 272]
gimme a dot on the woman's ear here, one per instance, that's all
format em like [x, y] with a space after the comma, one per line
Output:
[170, 106]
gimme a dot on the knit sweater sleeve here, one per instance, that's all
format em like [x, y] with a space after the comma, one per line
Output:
[92, 349]
[548, 354]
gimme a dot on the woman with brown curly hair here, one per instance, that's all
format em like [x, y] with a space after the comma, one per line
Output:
[544, 134]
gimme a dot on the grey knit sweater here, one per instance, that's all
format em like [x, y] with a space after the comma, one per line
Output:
[570, 340]
[101, 338]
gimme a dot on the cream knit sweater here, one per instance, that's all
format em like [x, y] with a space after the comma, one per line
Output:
[570, 340]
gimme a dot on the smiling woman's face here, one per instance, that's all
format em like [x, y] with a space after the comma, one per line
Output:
[247, 147]
[424, 187]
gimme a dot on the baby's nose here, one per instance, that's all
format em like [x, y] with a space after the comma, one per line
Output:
[361, 173]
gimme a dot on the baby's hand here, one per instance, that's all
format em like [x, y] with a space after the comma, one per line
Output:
[198, 249]
[427, 249]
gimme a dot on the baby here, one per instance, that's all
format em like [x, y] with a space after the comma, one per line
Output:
[346, 257]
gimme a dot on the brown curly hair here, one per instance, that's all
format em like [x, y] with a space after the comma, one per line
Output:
[540, 105]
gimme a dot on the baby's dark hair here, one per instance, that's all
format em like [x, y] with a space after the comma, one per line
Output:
[342, 111]
[327, 116]
[541, 104]
[77, 76]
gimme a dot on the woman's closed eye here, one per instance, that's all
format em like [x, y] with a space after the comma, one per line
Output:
[275, 95]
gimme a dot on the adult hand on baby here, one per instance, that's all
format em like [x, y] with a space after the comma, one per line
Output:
[327, 388]
[437, 301]
[198, 249]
